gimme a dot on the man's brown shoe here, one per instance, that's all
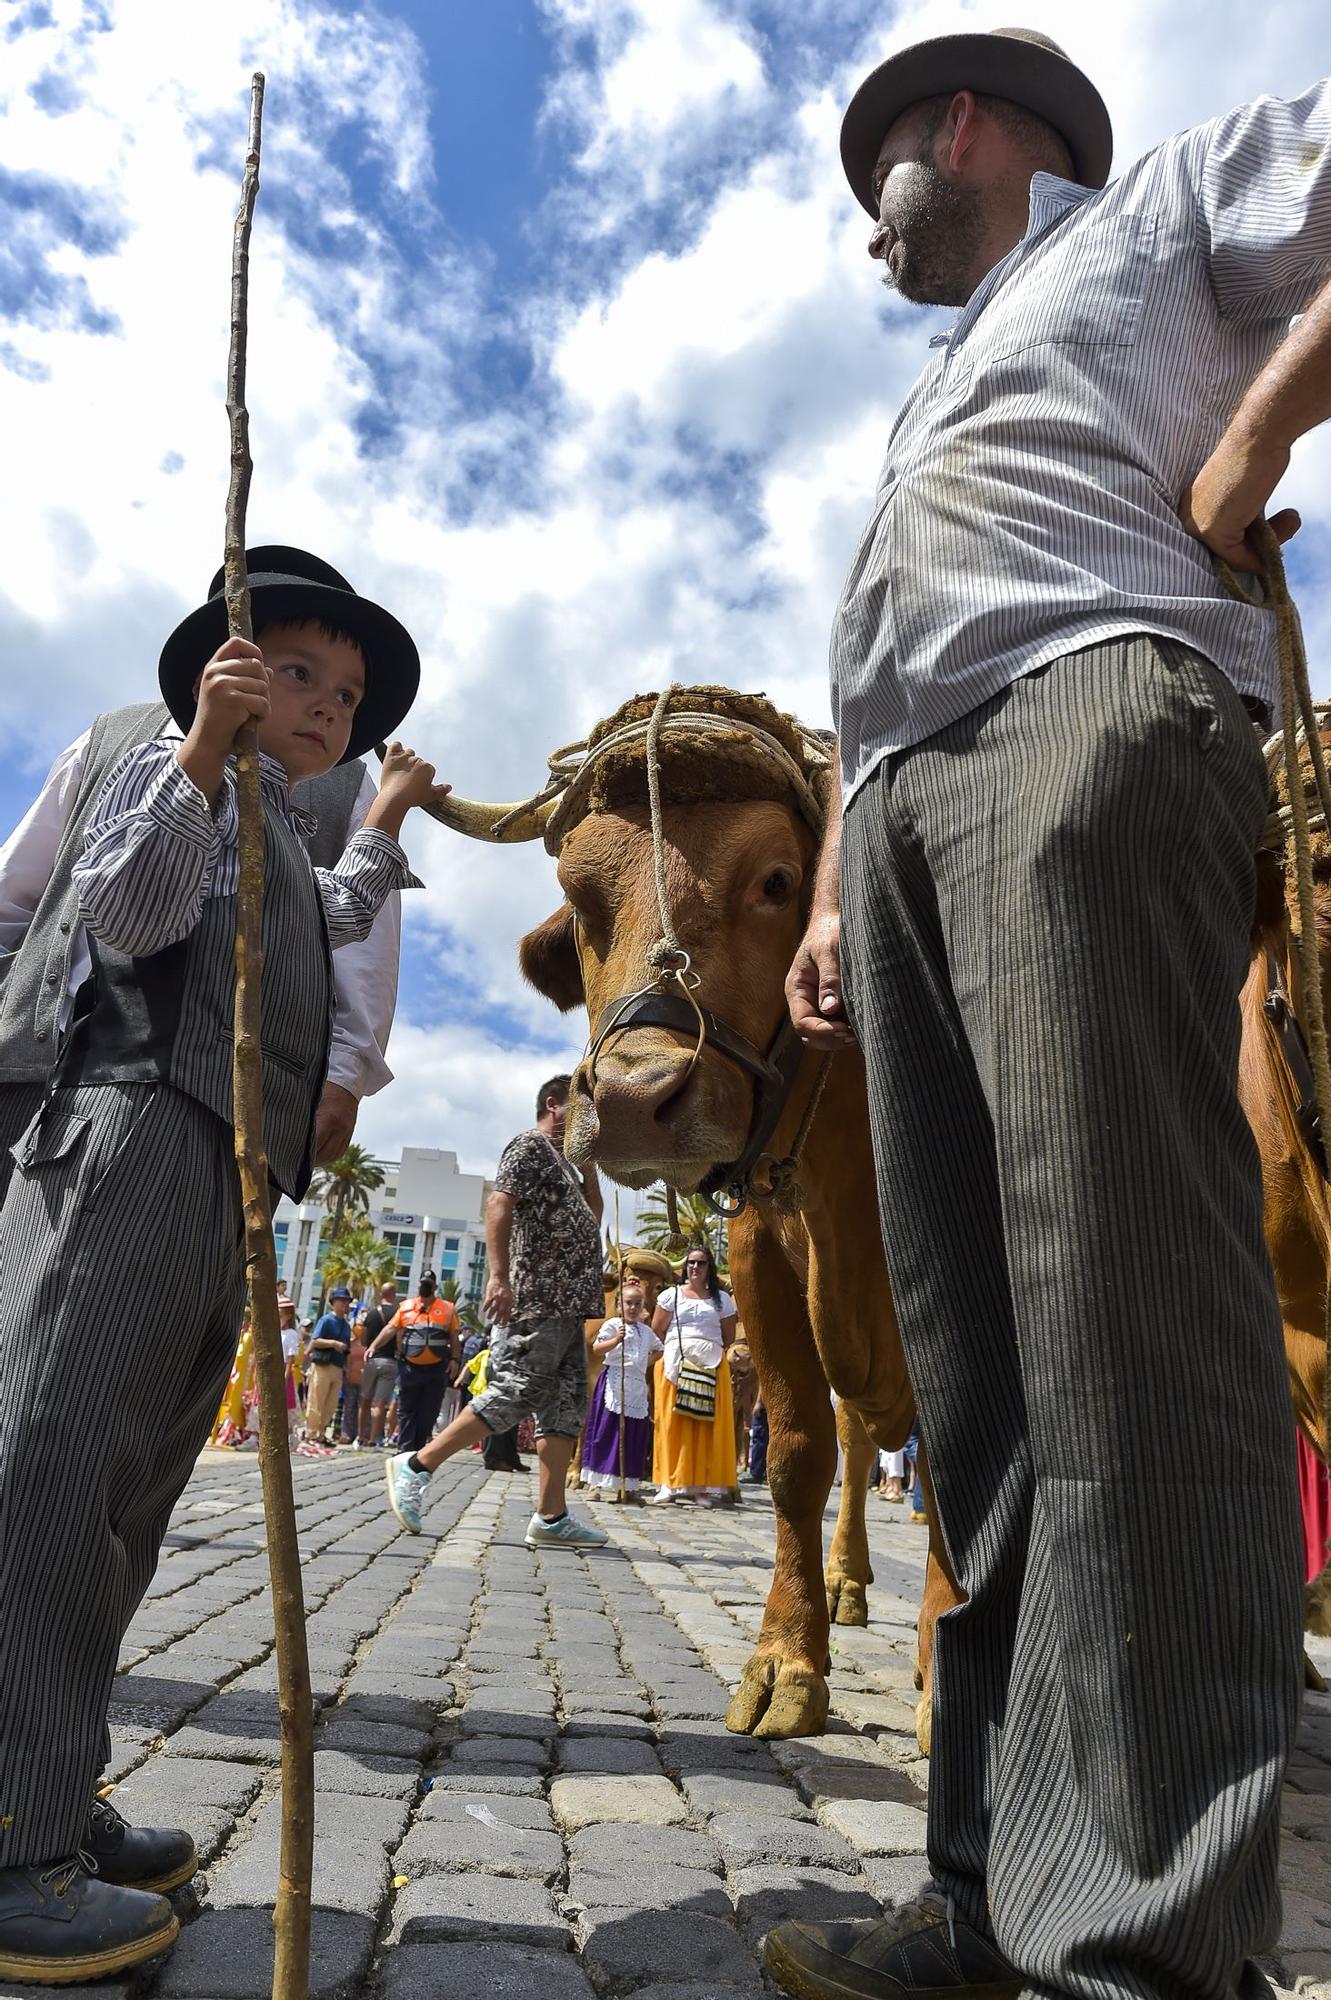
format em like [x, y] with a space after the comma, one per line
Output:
[915, 1952]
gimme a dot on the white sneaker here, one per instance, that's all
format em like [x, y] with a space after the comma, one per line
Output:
[664, 1498]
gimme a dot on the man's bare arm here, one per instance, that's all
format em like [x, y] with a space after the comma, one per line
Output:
[1290, 396]
[497, 1305]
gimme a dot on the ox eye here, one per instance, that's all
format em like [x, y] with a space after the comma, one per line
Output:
[778, 887]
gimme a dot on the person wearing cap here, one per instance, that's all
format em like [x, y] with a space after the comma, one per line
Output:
[129, 1164]
[330, 1344]
[424, 1334]
[1032, 908]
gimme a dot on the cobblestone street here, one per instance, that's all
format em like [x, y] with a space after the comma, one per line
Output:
[526, 1790]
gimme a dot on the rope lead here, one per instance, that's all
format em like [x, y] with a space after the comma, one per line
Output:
[1299, 714]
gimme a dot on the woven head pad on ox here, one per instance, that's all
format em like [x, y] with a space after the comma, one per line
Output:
[698, 764]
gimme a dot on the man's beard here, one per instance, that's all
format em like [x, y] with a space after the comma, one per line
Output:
[939, 226]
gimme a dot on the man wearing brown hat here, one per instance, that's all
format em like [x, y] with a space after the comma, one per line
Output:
[1052, 792]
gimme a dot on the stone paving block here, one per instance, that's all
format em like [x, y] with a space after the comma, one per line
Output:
[443, 1909]
[325, 1680]
[339, 1730]
[644, 1848]
[447, 1846]
[166, 1786]
[877, 1827]
[129, 1747]
[497, 1781]
[352, 1837]
[586, 1801]
[411, 1709]
[678, 1989]
[362, 1774]
[742, 1790]
[518, 1751]
[498, 1972]
[764, 1896]
[155, 1700]
[596, 1888]
[896, 1878]
[487, 1717]
[238, 1727]
[228, 1955]
[620, 1728]
[845, 1767]
[761, 1840]
[464, 1810]
[628, 1949]
[616, 1756]
[707, 1745]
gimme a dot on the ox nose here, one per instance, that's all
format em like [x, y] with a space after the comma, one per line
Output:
[632, 1099]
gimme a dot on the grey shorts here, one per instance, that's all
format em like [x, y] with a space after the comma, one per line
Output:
[536, 1370]
[379, 1382]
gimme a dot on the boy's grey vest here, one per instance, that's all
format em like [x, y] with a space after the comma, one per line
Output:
[185, 1034]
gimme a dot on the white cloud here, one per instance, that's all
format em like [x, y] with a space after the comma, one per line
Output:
[674, 494]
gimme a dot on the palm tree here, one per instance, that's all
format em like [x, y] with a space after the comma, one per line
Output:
[358, 1259]
[699, 1223]
[344, 1184]
[466, 1311]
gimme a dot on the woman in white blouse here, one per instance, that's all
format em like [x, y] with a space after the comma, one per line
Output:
[694, 1447]
[626, 1345]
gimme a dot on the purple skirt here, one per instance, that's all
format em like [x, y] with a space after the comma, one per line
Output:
[600, 1444]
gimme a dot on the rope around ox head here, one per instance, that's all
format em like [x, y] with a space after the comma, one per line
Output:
[1300, 719]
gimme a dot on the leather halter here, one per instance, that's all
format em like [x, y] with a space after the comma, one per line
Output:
[729, 1187]
[1280, 1013]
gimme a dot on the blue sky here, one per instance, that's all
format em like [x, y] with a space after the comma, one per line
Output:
[564, 344]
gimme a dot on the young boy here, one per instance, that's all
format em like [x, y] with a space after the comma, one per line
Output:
[129, 1166]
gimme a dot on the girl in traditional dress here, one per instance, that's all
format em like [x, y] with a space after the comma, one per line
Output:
[694, 1451]
[626, 1347]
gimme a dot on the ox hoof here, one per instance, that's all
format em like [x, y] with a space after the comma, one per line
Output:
[924, 1723]
[777, 1701]
[847, 1601]
[1317, 1605]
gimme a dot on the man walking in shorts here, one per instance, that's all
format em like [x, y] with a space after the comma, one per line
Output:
[543, 1236]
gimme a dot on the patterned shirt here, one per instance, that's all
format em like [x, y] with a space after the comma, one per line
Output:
[555, 1250]
[155, 851]
[1028, 503]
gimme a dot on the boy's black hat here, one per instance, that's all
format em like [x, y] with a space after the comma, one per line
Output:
[288, 583]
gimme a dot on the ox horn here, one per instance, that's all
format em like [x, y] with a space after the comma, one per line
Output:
[478, 820]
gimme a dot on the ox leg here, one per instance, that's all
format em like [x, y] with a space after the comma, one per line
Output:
[783, 1691]
[848, 1572]
[942, 1593]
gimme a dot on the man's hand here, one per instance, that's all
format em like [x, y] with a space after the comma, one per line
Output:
[405, 780]
[334, 1123]
[497, 1305]
[813, 985]
[1229, 495]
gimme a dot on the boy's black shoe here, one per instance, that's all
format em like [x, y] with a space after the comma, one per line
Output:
[60, 1926]
[916, 1952]
[152, 1858]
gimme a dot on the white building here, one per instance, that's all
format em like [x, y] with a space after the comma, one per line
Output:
[433, 1216]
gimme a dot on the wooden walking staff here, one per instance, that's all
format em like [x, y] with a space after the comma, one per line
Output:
[291, 1914]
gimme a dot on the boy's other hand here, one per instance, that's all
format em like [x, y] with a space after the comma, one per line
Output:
[405, 780]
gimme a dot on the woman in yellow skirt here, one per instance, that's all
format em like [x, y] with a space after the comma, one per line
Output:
[693, 1452]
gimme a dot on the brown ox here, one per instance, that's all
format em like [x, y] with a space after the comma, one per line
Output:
[811, 1286]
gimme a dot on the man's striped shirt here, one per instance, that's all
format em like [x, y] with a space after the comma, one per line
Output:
[1028, 503]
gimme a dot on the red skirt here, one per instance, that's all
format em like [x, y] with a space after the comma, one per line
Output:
[1315, 1501]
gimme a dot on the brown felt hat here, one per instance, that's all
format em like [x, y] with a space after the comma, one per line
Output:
[1016, 63]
